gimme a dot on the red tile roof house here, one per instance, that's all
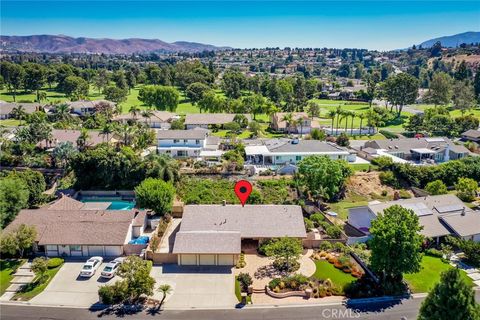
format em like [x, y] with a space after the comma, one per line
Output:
[217, 234]
[59, 135]
[68, 227]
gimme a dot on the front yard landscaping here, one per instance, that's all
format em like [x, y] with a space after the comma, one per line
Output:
[325, 270]
[425, 279]
[36, 286]
[7, 269]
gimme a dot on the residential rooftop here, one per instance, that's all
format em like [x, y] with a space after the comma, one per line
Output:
[211, 118]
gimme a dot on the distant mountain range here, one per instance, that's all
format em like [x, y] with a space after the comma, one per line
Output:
[66, 44]
[454, 40]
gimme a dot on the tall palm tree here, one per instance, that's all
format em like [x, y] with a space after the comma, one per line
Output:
[82, 139]
[331, 115]
[42, 95]
[288, 118]
[62, 112]
[127, 133]
[164, 289]
[345, 115]
[361, 115]
[163, 166]
[62, 153]
[352, 114]
[147, 114]
[299, 123]
[134, 110]
[339, 113]
[106, 130]
[19, 113]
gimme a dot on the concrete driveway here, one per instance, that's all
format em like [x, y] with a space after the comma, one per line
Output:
[68, 289]
[196, 287]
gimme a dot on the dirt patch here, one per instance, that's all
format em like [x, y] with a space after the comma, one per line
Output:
[472, 60]
[367, 184]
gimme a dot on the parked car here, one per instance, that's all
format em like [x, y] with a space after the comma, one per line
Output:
[91, 266]
[111, 268]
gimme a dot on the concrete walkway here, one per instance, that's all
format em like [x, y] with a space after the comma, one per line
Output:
[22, 276]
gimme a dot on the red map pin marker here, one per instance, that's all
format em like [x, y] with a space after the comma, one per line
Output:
[243, 188]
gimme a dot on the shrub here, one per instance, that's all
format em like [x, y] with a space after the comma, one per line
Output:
[54, 262]
[333, 232]
[241, 262]
[325, 245]
[388, 178]
[274, 283]
[436, 187]
[113, 294]
[339, 247]
[342, 140]
[434, 252]
[317, 218]
[383, 162]
[308, 224]
[466, 189]
[404, 194]
[388, 134]
[245, 280]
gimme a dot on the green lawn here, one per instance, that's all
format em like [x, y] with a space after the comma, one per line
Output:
[432, 267]
[362, 166]
[325, 270]
[7, 269]
[34, 288]
[353, 200]
[10, 122]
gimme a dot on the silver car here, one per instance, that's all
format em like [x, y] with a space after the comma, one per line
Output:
[111, 268]
[91, 266]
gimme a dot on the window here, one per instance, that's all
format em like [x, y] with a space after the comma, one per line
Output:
[298, 158]
[75, 248]
[278, 157]
[185, 141]
[197, 141]
[51, 247]
[176, 141]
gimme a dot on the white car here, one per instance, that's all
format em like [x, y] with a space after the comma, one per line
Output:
[91, 266]
[111, 268]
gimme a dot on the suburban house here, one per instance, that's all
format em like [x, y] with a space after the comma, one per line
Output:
[187, 143]
[204, 120]
[274, 152]
[440, 216]
[71, 228]
[279, 124]
[217, 234]
[417, 150]
[157, 120]
[59, 135]
[87, 107]
[6, 108]
[471, 135]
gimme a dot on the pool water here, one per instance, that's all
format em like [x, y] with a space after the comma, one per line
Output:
[115, 203]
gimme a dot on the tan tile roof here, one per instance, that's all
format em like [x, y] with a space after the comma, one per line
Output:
[66, 203]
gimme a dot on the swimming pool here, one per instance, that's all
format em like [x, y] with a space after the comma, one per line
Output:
[116, 204]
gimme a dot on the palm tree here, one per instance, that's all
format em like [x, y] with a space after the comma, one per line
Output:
[345, 115]
[299, 123]
[42, 95]
[127, 133]
[331, 115]
[147, 114]
[106, 130]
[19, 113]
[361, 115]
[82, 139]
[62, 112]
[288, 118]
[134, 110]
[339, 113]
[62, 153]
[164, 289]
[162, 166]
[352, 114]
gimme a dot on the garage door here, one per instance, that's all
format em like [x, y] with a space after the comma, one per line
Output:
[207, 259]
[188, 259]
[113, 251]
[225, 260]
[95, 250]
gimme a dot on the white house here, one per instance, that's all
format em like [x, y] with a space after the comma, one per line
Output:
[185, 143]
[273, 152]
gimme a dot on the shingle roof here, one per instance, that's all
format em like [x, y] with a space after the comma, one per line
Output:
[157, 116]
[405, 145]
[252, 221]
[29, 107]
[197, 134]
[71, 226]
[295, 116]
[211, 118]
[66, 203]
[94, 138]
[219, 242]
[283, 145]
[472, 134]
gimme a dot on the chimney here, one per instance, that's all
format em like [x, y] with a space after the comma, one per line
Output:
[224, 203]
[463, 211]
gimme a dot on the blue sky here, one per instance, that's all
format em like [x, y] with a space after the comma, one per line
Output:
[362, 24]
